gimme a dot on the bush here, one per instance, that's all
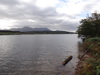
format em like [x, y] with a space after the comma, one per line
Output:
[90, 27]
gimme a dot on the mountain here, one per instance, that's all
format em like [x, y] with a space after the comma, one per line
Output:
[28, 29]
[41, 29]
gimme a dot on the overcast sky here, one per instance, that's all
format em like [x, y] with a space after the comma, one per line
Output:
[52, 14]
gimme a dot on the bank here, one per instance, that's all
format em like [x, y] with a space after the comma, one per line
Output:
[89, 63]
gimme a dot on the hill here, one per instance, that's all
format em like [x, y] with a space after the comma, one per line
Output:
[28, 29]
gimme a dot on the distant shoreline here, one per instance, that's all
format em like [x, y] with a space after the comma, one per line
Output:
[6, 32]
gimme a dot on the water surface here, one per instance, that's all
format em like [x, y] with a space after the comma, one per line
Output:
[38, 54]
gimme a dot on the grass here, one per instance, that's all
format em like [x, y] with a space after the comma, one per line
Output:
[91, 65]
[93, 44]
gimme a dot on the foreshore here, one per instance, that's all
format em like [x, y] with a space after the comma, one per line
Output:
[89, 64]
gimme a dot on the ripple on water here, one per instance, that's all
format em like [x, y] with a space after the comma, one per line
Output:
[37, 54]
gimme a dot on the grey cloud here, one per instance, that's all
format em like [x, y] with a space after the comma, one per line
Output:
[70, 26]
[42, 17]
[9, 2]
[90, 5]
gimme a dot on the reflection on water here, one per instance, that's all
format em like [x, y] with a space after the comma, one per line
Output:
[37, 54]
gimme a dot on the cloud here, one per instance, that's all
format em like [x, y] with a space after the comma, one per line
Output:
[47, 3]
[9, 2]
[53, 14]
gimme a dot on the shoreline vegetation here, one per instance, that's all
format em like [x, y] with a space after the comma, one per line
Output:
[89, 30]
[3, 32]
[90, 62]
[8, 32]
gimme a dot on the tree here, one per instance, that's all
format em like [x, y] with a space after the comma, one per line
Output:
[90, 27]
